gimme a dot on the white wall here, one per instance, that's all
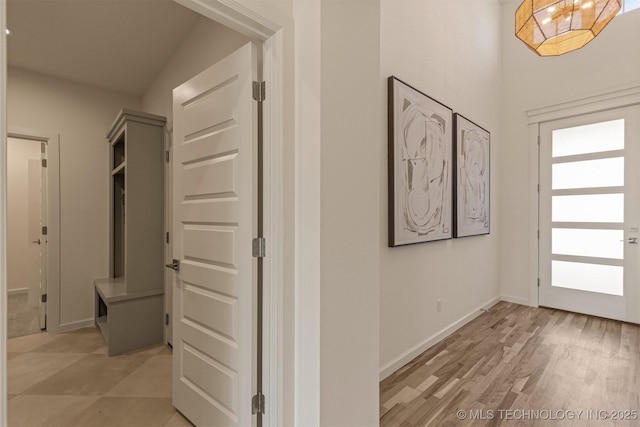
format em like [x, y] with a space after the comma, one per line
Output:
[81, 115]
[307, 193]
[22, 256]
[207, 43]
[449, 50]
[609, 62]
[349, 228]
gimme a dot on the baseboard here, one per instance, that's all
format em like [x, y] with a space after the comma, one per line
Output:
[408, 356]
[71, 326]
[17, 291]
[515, 300]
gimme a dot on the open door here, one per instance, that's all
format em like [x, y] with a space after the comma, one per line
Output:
[214, 221]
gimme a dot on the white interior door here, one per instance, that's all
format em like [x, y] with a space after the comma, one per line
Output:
[590, 214]
[214, 221]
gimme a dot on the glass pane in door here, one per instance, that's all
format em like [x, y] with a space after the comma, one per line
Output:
[588, 243]
[605, 279]
[589, 174]
[587, 207]
[593, 138]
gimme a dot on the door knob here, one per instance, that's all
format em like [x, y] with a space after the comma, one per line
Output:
[37, 242]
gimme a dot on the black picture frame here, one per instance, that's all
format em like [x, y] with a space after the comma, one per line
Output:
[472, 178]
[420, 166]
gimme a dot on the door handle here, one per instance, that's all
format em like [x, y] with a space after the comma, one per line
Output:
[37, 242]
[633, 240]
[175, 265]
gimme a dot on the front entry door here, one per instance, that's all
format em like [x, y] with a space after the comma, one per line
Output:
[590, 214]
[214, 220]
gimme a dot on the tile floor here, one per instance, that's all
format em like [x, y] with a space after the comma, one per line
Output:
[67, 380]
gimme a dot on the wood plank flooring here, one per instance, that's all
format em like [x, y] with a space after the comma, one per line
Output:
[521, 366]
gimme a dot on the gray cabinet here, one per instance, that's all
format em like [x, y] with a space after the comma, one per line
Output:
[130, 302]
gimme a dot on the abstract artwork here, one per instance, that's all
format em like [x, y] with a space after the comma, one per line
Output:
[420, 166]
[472, 178]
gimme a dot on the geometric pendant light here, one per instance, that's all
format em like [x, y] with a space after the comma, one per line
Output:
[554, 27]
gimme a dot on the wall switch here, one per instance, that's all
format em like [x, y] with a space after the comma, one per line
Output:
[438, 305]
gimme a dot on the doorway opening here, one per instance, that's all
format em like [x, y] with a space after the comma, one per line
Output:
[260, 29]
[33, 231]
[26, 270]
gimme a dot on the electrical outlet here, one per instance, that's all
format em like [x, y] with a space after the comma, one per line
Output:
[438, 305]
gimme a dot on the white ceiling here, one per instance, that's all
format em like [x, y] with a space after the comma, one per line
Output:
[119, 45]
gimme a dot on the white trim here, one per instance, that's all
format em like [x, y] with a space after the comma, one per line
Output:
[273, 219]
[235, 16]
[52, 139]
[257, 27]
[17, 291]
[3, 213]
[619, 98]
[514, 300]
[533, 214]
[603, 101]
[79, 324]
[412, 353]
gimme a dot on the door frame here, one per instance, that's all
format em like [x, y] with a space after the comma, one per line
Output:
[52, 140]
[623, 97]
[271, 35]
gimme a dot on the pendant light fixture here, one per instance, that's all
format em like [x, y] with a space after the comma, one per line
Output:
[555, 27]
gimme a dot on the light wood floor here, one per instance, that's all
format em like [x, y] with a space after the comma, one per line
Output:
[521, 366]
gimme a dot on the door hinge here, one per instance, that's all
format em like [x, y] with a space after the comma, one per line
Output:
[44, 298]
[538, 282]
[257, 403]
[538, 234]
[259, 247]
[259, 91]
[167, 237]
[538, 139]
[538, 188]
[166, 319]
[166, 156]
[44, 230]
[44, 163]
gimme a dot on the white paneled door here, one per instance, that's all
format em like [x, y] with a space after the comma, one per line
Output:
[214, 220]
[590, 214]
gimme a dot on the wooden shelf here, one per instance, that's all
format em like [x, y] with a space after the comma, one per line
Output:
[120, 169]
[115, 289]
